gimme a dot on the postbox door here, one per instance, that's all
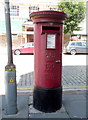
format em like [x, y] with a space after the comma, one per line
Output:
[53, 61]
[48, 65]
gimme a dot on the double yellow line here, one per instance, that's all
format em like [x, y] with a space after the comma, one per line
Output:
[74, 88]
[24, 89]
[65, 88]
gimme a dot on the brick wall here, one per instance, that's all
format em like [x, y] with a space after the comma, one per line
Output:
[15, 42]
[20, 40]
[2, 40]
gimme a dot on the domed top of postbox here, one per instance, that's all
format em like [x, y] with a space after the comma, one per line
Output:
[48, 16]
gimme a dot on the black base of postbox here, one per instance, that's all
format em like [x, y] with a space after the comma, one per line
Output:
[47, 100]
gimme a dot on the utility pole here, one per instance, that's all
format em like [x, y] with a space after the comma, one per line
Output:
[10, 69]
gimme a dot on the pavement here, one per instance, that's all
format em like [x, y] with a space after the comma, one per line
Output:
[74, 97]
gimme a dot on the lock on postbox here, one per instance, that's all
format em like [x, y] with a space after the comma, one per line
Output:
[48, 27]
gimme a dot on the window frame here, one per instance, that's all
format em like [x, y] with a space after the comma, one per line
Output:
[14, 10]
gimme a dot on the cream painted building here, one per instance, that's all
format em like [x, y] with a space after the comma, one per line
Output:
[21, 26]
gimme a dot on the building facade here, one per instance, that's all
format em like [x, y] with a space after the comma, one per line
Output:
[21, 25]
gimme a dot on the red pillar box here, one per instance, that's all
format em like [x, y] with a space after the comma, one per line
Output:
[48, 27]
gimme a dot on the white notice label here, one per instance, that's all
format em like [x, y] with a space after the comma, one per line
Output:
[51, 41]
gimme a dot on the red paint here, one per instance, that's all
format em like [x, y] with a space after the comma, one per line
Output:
[48, 61]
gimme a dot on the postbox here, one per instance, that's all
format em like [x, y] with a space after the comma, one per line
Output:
[48, 28]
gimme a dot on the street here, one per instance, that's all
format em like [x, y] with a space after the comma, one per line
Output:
[71, 60]
[25, 64]
[73, 84]
[65, 77]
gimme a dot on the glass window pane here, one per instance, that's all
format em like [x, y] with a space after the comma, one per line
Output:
[72, 44]
[79, 44]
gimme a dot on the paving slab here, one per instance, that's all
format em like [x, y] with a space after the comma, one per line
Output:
[75, 105]
[73, 108]
[22, 104]
[36, 114]
[0, 107]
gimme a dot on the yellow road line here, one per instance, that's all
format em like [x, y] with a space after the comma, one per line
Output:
[25, 91]
[73, 89]
[24, 88]
[74, 86]
[65, 88]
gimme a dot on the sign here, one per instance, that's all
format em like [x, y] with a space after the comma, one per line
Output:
[51, 41]
[11, 80]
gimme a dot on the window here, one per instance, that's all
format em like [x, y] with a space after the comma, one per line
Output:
[33, 44]
[79, 44]
[33, 9]
[14, 10]
[22, 46]
[52, 8]
[14, 37]
[28, 45]
[73, 44]
[84, 43]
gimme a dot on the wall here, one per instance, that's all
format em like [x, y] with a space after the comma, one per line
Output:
[15, 41]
